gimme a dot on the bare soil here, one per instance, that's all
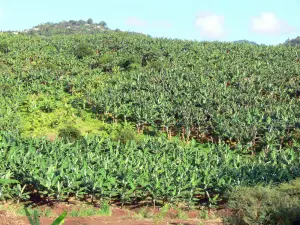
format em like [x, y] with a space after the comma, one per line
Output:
[119, 216]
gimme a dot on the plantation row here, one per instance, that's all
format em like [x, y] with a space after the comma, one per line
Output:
[257, 110]
[153, 170]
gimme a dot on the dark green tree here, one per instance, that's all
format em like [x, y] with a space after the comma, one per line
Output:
[90, 21]
[82, 50]
[81, 22]
[103, 24]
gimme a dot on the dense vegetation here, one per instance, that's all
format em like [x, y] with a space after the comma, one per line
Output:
[245, 41]
[293, 42]
[153, 170]
[131, 118]
[69, 27]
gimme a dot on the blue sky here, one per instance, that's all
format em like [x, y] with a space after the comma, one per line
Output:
[262, 21]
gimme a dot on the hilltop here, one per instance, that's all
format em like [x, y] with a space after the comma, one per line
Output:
[72, 27]
[69, 27]
[246, 41]
[293, 42]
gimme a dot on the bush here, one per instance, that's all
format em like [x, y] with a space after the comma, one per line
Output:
[125, 134]
[296, 135]
[265, 205]
[4, 48]
[128, 63]
[105, 63]
[69, 133]
[5, 90]
[292, 188]
[150, 57]
[122, 133]
[156, 65]
[82, 50]
[48, 105]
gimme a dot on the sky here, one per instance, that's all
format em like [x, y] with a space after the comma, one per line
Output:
[267, 22]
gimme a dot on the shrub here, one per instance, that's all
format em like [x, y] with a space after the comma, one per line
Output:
[5, 89]
[122, 133]
[82, 50]
[150, 57]
[105, 63]
[126, 134]
[296, 135]
[4, 48]
[292, 188]
[128, 63]
[156, 65]
[70, 133]
[48, 105]
[264, 205]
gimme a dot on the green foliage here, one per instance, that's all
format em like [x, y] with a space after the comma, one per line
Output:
[150, 56]
[203, 214]
[209, 91]
[83, 211]
[70, 27]
[22, 210]
[106, 62]
[245, 42]
[5, 89]
[47, 105]
[6, 183]
[145, 213]
[90, 21]
[151, 169]
[69, 133]
[38, 123]
[34, 219]
[163, 212]
[110, 60]
[296, 135]
[60, 220]
[103, 24]
[82, 50]
[105, 209]
[106, 86]
[4, 47]
[266, 205]
[292, 188]
[122, 133]
[293, 42]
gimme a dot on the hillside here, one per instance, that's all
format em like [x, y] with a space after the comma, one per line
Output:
[118, 118]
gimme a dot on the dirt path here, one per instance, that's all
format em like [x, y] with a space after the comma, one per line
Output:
[8, 219]
[113, 221]
[8, 216]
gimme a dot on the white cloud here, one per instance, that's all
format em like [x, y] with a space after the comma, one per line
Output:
[211, 25]
[134, 21]
[268, 23]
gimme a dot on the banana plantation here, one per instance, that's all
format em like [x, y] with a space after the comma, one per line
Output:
[122, 117]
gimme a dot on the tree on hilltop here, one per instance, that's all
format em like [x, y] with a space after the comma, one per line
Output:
[90, 21]
[103, 24]
[293, 42]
